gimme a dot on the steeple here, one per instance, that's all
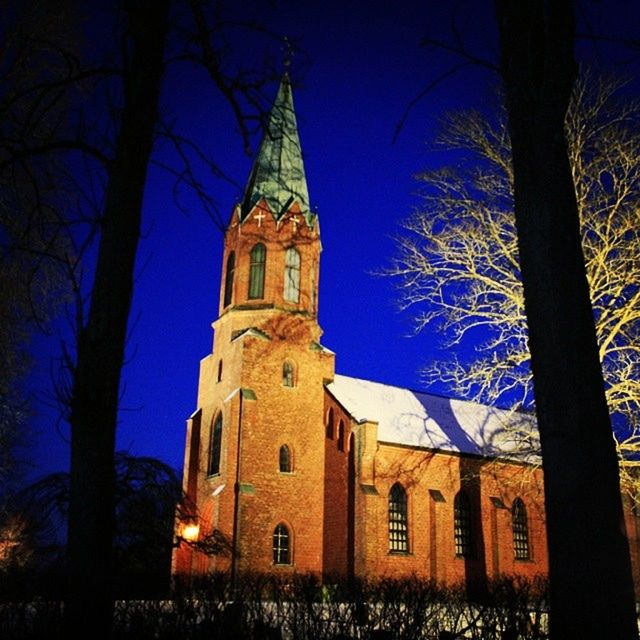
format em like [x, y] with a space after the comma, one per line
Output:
[277, 175]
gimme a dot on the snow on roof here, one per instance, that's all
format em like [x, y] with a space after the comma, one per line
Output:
[422, 420]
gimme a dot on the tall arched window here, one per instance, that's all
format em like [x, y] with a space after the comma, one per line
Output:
[228, 279]
[398, 524]
[281, 545]
[288, 374]
[330, 424]
[462, 533]
[520, 528]
[215, 446]
[341, 436]
[258, 257]
[292, 275]
[285, 459]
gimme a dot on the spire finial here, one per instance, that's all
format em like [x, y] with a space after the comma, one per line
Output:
[288, 53]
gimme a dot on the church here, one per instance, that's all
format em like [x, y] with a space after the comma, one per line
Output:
[301, 469]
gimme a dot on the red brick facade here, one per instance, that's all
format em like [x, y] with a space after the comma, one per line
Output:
[334, 499]
[339, 500]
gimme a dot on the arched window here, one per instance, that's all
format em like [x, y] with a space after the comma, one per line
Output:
[228, 279]
[220, 370]
[520, 528]
[288, 374]
[341, 436]
[285, 459]
[258, 257]
[330, 424]
[462, 525]
[215, 446]
[281, 545]
[292, 275]
[398, 525]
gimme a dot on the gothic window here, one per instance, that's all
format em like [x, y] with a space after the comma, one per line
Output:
[341, 436]
[285, 459]
[292, 275]
[281, 545]
[228, 279]
[258, 257]
[462, 525]
[220, 370]
[216, 446]
[330, 424]
[520, 528]
[398, 524]
[288, 374]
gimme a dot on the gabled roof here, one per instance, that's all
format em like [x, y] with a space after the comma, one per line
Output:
[277, 175]
[423, 420]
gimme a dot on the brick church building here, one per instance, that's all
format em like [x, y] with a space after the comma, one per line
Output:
[304, 470]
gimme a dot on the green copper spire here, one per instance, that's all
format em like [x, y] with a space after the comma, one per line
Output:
[278, 171]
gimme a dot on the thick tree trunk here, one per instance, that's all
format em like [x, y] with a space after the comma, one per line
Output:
[101, 344]
[590, 573]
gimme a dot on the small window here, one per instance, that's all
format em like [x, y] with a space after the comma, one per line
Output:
[288, 374]
[258, 257]
[341, 436]
[292, 275]
[281, 545]
[216, 446]
[462, 525]
[220, 370]
[520, 528]
[398, 525]
[330, 424]
[228, 280]
[285, 459]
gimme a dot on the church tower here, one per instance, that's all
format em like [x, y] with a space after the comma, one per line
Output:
[254, 461]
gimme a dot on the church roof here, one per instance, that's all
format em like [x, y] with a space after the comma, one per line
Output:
[423, 420]
[278, 174]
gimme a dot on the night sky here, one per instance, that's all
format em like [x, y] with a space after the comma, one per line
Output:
[362, 66]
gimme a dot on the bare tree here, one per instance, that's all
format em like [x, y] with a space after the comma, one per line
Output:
[148, 499]
[458, 262]
[591, 588]
[108, 97]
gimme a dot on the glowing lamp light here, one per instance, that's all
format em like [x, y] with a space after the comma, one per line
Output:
[191, 532]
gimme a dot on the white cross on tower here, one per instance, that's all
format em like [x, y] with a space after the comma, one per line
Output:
[259, 217]
[296, 222]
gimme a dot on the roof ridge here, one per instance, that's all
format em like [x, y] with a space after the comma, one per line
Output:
[436, 395]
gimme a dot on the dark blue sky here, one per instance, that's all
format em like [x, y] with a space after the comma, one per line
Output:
[362, 66]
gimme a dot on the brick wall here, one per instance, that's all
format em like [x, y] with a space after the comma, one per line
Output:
[335, 499]
[431, 481]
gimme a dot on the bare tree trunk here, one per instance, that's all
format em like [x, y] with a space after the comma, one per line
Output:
[101, 343]
[590, 573]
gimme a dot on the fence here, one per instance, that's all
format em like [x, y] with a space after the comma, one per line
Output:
[266, 607]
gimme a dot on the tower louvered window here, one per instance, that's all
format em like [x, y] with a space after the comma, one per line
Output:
[258, 258]
[288, 374]
[520, 528]
[398, 523]
[281, 545]
[216, 446]
[228, 279]
[462, 532]
[292, 275]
